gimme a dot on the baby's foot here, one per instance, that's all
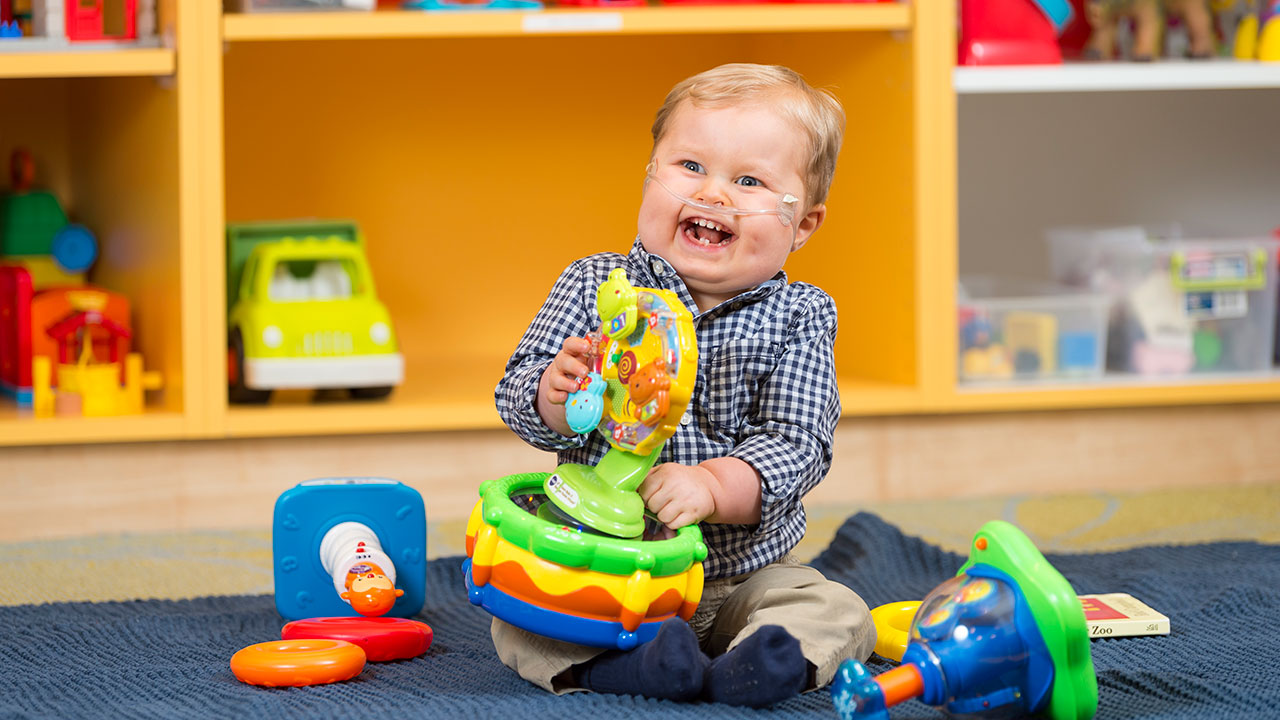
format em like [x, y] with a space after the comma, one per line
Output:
[763, 669]
[671, 666]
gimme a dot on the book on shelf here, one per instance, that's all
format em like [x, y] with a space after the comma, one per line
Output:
[1121, 615]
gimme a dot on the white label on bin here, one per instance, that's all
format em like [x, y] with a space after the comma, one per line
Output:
[1202, 267]
[1219, 305]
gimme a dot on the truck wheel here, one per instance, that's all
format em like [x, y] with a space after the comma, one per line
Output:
[237, 392]
[370, 393]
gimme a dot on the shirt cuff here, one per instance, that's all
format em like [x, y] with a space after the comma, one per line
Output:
[780, 478]
[517, 406]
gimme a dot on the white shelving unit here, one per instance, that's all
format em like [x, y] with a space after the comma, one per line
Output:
[1117, 77]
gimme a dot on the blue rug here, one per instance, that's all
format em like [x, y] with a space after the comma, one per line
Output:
[168, 659]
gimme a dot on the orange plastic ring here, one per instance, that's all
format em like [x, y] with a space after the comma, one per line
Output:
[294, 663]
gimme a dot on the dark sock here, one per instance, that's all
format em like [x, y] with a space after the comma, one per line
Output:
[763, 669]
[670, 666]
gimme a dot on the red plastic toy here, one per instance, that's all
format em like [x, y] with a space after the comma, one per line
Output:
[26, 314]
[382, 638]
[1012, 32]
[102, 19]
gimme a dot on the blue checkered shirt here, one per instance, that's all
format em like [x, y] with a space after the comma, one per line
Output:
[766, 393]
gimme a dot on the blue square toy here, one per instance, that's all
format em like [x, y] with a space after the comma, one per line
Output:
[393, 511]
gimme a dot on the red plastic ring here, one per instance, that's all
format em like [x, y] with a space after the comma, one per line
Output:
[382, 638]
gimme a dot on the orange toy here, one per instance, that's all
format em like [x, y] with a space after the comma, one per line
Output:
[294, 663]
[650, 382]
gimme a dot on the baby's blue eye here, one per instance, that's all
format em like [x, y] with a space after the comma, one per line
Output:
[691, 166]
[748, 181]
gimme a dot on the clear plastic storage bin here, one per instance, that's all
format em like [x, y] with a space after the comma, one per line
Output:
[1179, 305]
[1012, 329]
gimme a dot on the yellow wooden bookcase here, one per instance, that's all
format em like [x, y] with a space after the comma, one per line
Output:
[481, 152]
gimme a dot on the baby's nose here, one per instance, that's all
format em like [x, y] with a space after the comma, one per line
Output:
[712, 191]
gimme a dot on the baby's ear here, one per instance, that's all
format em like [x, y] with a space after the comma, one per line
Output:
[808, 224]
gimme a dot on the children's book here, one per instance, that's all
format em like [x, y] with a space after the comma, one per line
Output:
[1121, 615]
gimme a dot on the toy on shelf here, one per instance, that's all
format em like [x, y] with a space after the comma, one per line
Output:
[293, 5]
[1257, 34]
[577, 568]
[35, 233]
[85, 385]
[1148, 22]
[47, 310]
[601, 3]
[346, 546]
[1006, 636]
[1012, 32]
[101, 328]
[1014, 328]
[101, 19]
[1180, 305]
[472, 5]
[49, 24]
[980, 355]
[303, 312]
[15, 19]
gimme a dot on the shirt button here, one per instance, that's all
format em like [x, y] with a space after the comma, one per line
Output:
[686, 418]
[658, 268]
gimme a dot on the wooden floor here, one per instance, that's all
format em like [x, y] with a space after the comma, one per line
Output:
[176, 565]
[69, 491]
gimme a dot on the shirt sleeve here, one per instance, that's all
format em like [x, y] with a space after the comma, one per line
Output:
[568, 311]
[788, 437]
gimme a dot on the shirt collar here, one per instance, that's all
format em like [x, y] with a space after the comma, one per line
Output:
[654, 271]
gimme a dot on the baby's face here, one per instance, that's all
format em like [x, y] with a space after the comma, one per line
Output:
[747, 157]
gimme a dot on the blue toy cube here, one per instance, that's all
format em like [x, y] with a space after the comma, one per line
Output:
[305, 512]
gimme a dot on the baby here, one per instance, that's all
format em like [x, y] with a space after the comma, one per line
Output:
[743, 156]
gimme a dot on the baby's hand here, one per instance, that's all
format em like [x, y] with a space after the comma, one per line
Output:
[567, 370]
[562, 377]
[678, 495]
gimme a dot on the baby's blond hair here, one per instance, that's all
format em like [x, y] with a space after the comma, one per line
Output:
[817, 112]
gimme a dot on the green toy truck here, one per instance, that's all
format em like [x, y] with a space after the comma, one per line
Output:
[302, 312]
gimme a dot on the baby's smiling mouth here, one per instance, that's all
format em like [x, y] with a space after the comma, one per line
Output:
[706, 232]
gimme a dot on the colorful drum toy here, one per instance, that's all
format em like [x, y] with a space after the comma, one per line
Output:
[576, 568]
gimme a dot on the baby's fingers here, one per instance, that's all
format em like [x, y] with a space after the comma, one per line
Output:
[576, 346]
[559, 387]
[571, 368]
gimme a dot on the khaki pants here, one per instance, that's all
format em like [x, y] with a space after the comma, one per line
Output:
[831, 622]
